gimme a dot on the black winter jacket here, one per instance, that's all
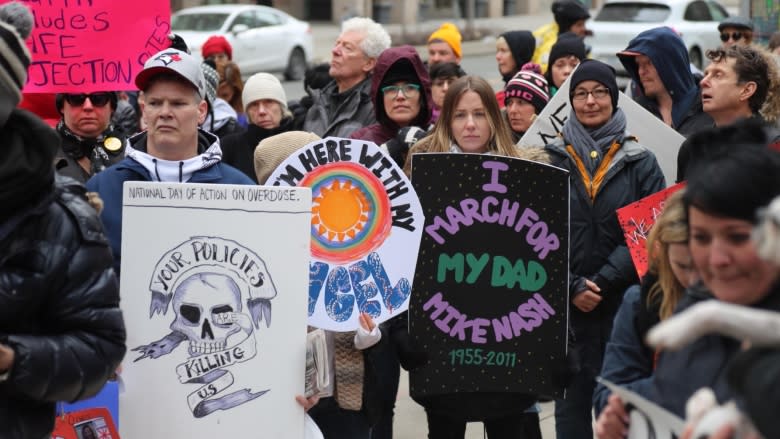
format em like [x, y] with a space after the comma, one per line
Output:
[59, 310]
[238, 149]
[597, 247]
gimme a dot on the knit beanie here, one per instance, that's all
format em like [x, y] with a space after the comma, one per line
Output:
[16, 23]
[263, 86]
[522, 44]
[567, 44]
[594, 70]
[216, 44]
[568, 12]
[212, 81]
[401, 70]
[272, 151]
[529, 85]
[450, 34]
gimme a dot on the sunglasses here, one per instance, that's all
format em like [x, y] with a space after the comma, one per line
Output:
[736, 36]
[97, 99]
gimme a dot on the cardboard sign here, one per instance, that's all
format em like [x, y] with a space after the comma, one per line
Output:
[214, 298]
[83, 46]
[647, 419]
[366, 226]
[637, 219]
[491, 285]
[650, 131]
[94, 423]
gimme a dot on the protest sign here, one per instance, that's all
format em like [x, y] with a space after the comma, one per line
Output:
[365, 230]
[491, 284]
[107, 398]
[647, 420]
[650, 131]
[83, 46]
[637, 219]
[204, 269]
[94, 423]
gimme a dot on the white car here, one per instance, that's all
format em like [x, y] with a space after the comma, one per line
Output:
[619, 21]
[264, 39]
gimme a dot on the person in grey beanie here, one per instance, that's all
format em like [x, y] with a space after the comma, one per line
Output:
[265, 104]
[61, 331]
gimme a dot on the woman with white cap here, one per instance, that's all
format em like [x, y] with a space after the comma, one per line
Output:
[265, 104]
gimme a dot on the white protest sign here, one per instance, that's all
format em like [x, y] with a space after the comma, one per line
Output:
[650, 131]
[366, 227]
[213, 285]
[647, 420]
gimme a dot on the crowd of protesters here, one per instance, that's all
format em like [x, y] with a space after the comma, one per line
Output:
[228, 130]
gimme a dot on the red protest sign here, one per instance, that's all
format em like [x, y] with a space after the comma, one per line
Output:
[637, 219]
[95, 423]
[93, 45]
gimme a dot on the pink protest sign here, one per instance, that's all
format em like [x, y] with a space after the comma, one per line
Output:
[637, 219]
[93, 45]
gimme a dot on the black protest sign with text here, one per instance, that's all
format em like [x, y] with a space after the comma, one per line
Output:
[490, 292]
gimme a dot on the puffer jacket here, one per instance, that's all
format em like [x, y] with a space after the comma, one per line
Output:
[340, 114]
[385, 128]
[59, 310]
[598, 248]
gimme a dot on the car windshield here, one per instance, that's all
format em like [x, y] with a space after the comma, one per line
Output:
[634, 12]
[199, 22]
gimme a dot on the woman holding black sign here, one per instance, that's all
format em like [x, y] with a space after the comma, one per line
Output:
[609, 170]
[471, 122]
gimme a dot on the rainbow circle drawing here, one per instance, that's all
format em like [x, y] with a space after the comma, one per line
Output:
[350, 212]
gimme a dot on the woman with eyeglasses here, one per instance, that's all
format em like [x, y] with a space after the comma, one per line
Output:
[609, 169]
[736, 30]
[401, 91]
[89, 142]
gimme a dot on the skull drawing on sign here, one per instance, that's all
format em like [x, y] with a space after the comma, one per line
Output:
[204, 304]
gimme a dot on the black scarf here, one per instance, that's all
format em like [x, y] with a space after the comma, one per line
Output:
[26, 171]
[78, 147]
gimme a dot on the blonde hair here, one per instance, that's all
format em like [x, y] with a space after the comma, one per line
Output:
[441, 137]
[670, 228]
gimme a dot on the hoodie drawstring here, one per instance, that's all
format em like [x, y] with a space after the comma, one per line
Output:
[157, 173]
[181, 171]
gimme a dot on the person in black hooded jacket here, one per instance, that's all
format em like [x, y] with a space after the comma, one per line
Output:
[61, 330]
[513, 50]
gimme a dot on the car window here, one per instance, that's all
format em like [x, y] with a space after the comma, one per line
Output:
[717, 11]
[201, 22]
[697, 11]
[248, 18]
[634, 12]
[268, 18]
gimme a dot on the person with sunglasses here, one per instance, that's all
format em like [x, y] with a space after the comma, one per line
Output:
[736, 30]
[89, 142]
[609, 169]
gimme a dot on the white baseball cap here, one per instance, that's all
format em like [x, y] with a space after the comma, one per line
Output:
[173, 61]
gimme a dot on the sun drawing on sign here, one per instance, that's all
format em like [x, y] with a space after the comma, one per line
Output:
[340, 211]
[350, 211]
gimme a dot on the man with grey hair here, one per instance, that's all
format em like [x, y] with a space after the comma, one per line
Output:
[345, 104]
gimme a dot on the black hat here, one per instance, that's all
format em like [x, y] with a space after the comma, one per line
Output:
[593, 70]
[568, 12]
[737, 22]
[522, 44]
[567, 44]
[401, 70]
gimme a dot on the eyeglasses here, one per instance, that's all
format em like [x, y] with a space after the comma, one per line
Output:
[599, 93]
[409, 90]
[736, 36]
[97, 99]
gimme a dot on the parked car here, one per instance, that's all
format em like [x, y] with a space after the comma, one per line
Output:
[618, 21]
[264, 39]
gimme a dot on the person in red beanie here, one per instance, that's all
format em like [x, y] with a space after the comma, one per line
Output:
[217, 49]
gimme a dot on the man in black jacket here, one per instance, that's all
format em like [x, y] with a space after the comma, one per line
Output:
[61, 330]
